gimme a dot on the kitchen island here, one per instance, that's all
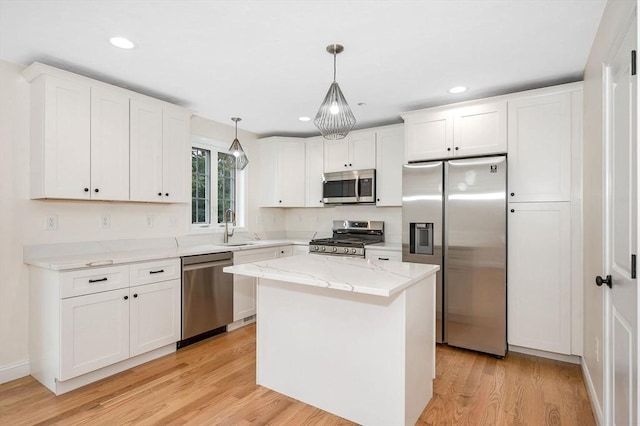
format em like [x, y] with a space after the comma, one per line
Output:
[351, 336]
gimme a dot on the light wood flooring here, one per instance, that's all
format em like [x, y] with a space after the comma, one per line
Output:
[213, 383]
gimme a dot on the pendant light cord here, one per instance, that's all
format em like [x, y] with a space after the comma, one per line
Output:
[334, 66]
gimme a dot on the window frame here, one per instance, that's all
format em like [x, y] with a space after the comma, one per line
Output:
[214, 147]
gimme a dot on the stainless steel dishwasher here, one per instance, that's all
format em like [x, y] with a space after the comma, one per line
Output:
[207, 296]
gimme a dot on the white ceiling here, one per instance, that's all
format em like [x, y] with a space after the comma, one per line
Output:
[265, 61]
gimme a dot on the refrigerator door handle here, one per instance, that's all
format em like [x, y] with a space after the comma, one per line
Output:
[357, 188]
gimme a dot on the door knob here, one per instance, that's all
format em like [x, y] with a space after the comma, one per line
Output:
[600, 281]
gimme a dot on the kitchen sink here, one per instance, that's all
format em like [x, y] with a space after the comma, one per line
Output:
[236, 244]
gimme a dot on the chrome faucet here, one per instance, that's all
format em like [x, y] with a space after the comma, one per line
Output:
[228, 214]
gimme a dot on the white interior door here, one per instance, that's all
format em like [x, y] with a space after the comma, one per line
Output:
[620, 238]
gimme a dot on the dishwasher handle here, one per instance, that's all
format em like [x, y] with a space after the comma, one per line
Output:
[195, 266]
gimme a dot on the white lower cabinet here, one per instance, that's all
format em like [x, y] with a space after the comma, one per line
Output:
[95, 332]
[244, 288]
[154, 316]
[539, 276]
[85, 320]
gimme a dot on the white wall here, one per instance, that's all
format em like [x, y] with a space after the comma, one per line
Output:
[616, 15]
[22, 220]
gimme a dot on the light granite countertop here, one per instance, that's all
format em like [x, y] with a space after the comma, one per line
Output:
[115, 257]
[341, 273]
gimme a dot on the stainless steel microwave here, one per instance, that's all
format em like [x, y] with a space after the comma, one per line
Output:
[352, 187]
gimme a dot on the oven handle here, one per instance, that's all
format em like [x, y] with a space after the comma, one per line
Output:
[357, 187]
[186, 268]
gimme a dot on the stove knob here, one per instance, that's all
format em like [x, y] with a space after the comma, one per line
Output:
[335, 249]
[353, 251]
[316, 248]
[323, 248]
[346, 250]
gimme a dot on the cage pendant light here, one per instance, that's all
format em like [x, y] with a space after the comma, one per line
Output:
[334, 118]
[239, 156]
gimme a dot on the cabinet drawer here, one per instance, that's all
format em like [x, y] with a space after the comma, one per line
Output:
[255, 255]
[153, 272]
[94, 280]
[384, 255]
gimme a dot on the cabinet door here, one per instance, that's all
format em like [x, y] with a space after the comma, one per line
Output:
[268, 172]
[175, 155]
[95, 332]
[429, 136]
[145, 151]
[539, 281]
[480, 129]
[154, 316]
[244, 288]
[540, 148]
[314, 161]
[336, 155]
[362, 150]
[291, 173]
[66, 141]
[390, 154]
[109, 145]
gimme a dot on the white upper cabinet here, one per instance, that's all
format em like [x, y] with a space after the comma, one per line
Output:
[390, 155]
[159, 152]
[94, 141]
[356, 152]
[428, 136]
[540, 148]
[146, 151]
[109, 144]
[314, 163]
[456, 132]
[282, 172]
[176, 175]
[60, 139]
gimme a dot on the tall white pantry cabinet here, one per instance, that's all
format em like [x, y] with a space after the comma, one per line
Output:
[541, 133]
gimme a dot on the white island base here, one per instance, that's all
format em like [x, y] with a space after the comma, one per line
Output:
[365, 357]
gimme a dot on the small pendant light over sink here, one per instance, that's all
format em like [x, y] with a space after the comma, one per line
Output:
[334, 118]
[241, 159]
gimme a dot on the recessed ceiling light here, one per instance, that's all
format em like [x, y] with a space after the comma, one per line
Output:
[458, 89]
[122, 43]
[304, 118]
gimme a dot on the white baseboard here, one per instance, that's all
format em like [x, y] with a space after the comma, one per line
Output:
[593, 397]
[573, 359]
[14, 371]
[241, 323]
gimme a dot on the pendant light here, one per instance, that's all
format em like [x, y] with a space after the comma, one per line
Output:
[240, 157]
[334, 118]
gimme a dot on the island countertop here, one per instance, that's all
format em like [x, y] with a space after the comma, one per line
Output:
[341, 273]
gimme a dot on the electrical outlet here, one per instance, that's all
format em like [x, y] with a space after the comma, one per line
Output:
[149, 221]
[105, 221]
[51, 222]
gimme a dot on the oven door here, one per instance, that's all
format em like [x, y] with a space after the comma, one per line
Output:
[357, 186]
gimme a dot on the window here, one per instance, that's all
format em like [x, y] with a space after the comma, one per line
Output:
[212, 169]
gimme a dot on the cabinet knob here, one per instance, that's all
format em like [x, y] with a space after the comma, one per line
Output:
[600, 281]
[513, 194]
[448, 149]
[345, 165]
[279, 201]
[135, 295]
[96, 190]
[166, 194]
[159, 194]
[457, 148]
[126, 298]
[513, 210]
[86, 190]
[377, 199]
[350, 164]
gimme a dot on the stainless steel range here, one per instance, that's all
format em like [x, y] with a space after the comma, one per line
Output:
[349, 238]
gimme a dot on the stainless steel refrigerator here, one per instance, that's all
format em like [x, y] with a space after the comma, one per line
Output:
[454, 215]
